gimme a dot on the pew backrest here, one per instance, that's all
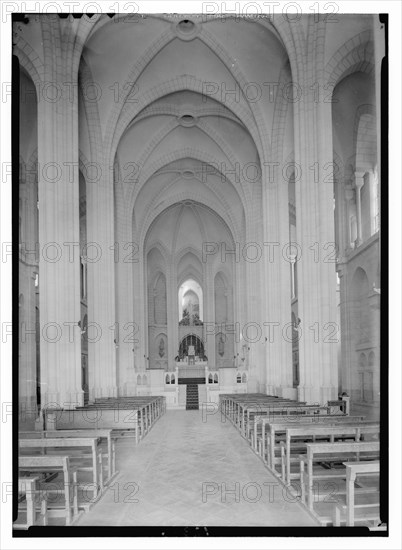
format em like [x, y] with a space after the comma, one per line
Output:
[340, 430]
[114, 419]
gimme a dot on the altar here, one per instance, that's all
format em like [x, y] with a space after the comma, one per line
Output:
[186, 363]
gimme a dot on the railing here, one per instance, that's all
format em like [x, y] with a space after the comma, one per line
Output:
[191, 372]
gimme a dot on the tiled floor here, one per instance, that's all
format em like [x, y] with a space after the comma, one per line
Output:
[196, 473]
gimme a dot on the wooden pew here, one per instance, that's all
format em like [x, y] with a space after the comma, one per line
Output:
[239, 408]
[266, 408]
[297, 437]
[271, 431]
[143, 413]
[27, 489]
[117, 420]
[124, 415]
[100, 434]
[283, 409]
[58, 464]
[351, 512]
[70, 446]
[152, 407]
[331, 452]
[230, 403]
[256, 434]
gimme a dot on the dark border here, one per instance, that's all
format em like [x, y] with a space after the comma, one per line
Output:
[15, 197]
[201, 531]
[384, 257]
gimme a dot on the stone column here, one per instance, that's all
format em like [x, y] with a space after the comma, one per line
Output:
[346, 336]
[349, 196]
[59, 259]
[277, 308]
[28, 268]
[127, 336]
[359, 182]
[315, 235]
[102, 254]
[370, 179]
[209, 313]
[140, 308]
[172, 314]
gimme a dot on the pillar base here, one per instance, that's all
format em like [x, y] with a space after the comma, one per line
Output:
[109, 391]
[69, 399]
[313, 395]
[281, 391]
[27, 412]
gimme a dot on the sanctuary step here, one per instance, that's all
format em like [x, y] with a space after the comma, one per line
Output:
[192, 397]
[193, 381]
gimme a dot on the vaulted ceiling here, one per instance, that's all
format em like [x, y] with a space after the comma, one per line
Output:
[188, 107]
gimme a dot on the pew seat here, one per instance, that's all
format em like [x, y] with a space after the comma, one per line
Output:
[297, 437]
[324, 464]
[353, 509]
[84, 456]
[66, 507]
[106, 438]
[30, 500]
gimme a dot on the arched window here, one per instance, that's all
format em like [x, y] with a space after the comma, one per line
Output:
[190, 303]
[167, 379]
[244, 378]
[238, 378]
[139, 380]
[215, 378]
[210, 378]
[172, 379]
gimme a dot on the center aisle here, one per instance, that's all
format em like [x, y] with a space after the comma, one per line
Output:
[193, 471]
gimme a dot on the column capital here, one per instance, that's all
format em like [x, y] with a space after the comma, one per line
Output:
[359, 179]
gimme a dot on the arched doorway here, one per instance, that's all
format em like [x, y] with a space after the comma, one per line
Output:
[191, 340]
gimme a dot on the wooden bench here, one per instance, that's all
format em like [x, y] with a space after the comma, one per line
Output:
[260, 422]
[332, 453]
[271, 431]
[28, 492]
[365, 512]
[117, 420]
[239, 408]
[150, 408]
[297, 437]
[106, 435]
[288, 409]
[238, 418]
[124, 415]
[230, 404]
[58, 464]
[143, 414]
[266, 409]
[70, 447]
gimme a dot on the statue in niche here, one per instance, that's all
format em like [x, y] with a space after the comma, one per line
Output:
[161, 348]
[221, 346]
